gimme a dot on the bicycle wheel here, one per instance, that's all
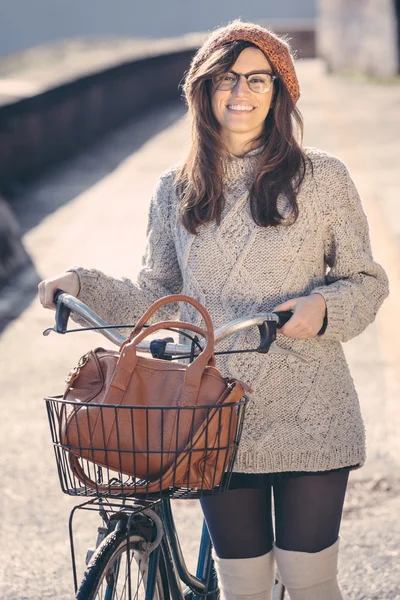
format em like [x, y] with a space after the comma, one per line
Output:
[107, 575]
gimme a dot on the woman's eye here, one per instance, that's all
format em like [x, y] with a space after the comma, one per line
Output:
[258, 80]
[228, 78]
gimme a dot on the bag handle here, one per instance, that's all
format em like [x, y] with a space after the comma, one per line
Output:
[170, 300]
[128, 359]
[194, 371]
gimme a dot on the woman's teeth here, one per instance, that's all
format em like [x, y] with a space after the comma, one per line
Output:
[240, 107]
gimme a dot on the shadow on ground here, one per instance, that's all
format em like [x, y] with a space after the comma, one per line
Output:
[33, 201]
[30, 205]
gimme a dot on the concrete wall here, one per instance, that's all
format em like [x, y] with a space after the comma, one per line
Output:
[26, 23]
[358, 35]
[49, 126]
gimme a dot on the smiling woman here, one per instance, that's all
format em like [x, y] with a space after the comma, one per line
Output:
[242, 93]
[249, 222]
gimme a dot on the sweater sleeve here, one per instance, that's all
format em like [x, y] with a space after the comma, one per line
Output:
[355, 286]
[123, 301]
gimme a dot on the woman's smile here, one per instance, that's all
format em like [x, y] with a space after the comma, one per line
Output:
[240, 108]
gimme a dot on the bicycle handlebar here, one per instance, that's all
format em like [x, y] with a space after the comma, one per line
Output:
[65, 303]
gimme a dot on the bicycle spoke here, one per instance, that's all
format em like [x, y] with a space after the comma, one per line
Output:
[138, 582]
[112, 575]
[123, 593]
[115, 571]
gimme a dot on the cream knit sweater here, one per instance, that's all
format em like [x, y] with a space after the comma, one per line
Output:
[302, 416]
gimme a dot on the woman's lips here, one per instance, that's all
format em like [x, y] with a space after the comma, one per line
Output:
[240, 108]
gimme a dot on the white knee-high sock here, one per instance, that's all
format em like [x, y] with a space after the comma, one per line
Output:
[246, 578]
[310, 575]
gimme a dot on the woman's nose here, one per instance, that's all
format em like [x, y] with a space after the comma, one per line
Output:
[241, 88]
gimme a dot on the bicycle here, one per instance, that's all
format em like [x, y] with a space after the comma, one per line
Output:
[138, 553]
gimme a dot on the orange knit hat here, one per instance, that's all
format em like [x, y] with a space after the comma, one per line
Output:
[276, 49]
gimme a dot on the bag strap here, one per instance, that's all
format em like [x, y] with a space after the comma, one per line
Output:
[128, 360]
[170, 300]
[207, 351]
[194, 371]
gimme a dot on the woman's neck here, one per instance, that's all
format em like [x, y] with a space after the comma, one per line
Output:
[240, 145]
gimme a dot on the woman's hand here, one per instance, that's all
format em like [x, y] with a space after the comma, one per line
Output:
[68, 282]
[308, 316]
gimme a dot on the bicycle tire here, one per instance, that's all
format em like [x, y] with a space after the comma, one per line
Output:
[106, 562]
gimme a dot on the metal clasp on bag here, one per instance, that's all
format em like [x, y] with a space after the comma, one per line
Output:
[73, 374]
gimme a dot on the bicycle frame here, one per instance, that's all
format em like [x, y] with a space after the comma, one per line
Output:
[200, 584]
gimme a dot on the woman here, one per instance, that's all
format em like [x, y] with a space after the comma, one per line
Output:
[253, 222]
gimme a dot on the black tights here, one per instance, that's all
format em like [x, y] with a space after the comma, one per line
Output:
[308, 511]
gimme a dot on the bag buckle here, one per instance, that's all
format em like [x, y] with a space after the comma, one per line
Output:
[73, 374]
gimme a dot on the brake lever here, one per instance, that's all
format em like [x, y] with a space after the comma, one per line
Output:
[275, 349]
[62, 315]
[268, 331]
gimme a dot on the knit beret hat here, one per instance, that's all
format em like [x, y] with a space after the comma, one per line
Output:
[276, 49]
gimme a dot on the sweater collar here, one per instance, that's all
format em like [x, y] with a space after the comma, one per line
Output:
[240, 169]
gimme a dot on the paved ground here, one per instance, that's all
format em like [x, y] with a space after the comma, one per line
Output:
[98, 202]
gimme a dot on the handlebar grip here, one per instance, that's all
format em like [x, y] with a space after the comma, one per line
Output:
[284, 316]
[268, 329]
[62, 313]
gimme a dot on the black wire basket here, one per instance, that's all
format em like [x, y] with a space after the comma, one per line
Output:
[149, 452]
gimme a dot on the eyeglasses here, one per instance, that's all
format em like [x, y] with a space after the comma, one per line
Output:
[260, 83]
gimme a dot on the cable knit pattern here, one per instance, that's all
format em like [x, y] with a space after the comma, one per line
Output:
[302, 416]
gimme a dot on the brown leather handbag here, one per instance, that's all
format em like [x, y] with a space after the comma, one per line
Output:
[165, 423]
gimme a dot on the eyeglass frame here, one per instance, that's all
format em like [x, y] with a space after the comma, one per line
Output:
[246, 76]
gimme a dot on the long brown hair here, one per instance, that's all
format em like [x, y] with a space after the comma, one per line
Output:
[282, 161]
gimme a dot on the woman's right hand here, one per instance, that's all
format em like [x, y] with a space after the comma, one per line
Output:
[68, 282]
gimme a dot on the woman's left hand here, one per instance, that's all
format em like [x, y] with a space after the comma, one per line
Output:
[308, 316]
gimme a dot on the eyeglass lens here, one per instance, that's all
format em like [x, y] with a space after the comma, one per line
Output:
[257, 82]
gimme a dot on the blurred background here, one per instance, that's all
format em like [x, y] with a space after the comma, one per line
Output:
[27, 24]
[90, 115]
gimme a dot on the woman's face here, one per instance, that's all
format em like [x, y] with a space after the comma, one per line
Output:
[242, 111]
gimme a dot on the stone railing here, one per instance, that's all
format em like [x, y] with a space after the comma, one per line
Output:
[65, 116]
